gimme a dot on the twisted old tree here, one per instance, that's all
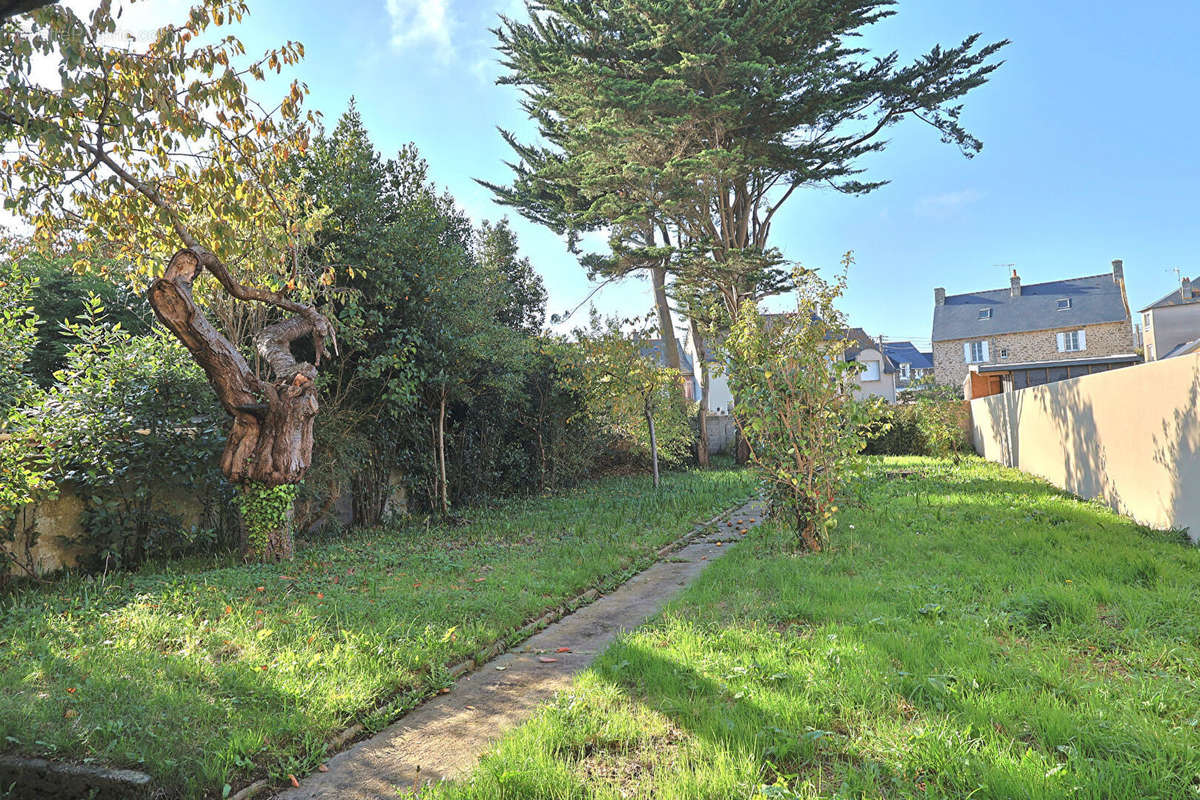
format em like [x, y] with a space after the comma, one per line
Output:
[135, 148]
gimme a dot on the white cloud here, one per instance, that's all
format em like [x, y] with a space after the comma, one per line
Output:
[946, 204]
[486, 70]
[416, 22]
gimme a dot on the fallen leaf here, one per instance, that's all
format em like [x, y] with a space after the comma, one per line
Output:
[320, 595]
[563, 650]
[444, 690]
[295, 782]
[547, 659]
[262, 588]
[70, 713]
[719, 544]
[480, 580]
[322, 768]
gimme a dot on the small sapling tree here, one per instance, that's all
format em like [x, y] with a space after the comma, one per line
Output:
[626, 387]
[795, 404]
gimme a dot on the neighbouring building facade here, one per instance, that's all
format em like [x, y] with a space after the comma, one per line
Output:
[879, 372]
[1079, 320]
[1171, 326]
[911, 363]
[720, 398]
[877, 379]
[654, 349]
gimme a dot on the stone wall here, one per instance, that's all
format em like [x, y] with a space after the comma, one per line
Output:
[1107, 339]
[50, 536]
[722, 433]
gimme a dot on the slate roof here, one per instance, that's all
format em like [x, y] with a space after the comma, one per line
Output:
[863, 342]
[907, 353]
[1176, 297]
[1094, 299]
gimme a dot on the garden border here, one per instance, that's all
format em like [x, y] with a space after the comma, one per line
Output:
[607, 583]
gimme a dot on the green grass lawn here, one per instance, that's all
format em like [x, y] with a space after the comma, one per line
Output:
[211, 676]
[972, 633]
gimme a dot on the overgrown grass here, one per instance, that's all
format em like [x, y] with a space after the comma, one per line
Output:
[208, 677]
[973, 633]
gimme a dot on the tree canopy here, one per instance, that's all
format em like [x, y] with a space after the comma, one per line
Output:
[687, 126]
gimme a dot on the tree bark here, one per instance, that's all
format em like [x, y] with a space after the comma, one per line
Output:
[653, 444]
[658, 277]
[11, 8]
[702, 457]
[271, 438]
[442, 453]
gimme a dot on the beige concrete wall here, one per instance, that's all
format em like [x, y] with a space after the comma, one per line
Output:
[1129, 437]
[1107, 339]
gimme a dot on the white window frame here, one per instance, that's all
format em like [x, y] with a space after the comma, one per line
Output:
[1059, 304]
[1072, 341]
[985, 313]
[904, 372]
[1003, 352]
[1146, 318]
[971, 349]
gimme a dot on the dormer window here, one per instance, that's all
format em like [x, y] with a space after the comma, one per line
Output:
[1064, 304]
[985, 313]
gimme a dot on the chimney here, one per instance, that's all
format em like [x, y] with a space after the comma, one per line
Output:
[1187, 288]
[1118, 270]
[1014, 285]
[939, 296]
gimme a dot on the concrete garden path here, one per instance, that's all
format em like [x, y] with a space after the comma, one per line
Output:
[444, 737]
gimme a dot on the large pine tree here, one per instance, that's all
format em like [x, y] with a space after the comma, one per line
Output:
[684, 126]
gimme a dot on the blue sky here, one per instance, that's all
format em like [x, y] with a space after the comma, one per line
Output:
[1086, 154]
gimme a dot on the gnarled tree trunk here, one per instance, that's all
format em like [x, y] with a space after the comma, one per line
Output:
[270, 442]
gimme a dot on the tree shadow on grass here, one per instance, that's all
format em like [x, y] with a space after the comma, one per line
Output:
[785, 725]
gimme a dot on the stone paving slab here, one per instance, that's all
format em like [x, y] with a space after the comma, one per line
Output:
[444, 737]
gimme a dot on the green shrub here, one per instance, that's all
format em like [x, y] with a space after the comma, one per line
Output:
[23, 475]
[927, 427]
[795, 405]
[130, 423]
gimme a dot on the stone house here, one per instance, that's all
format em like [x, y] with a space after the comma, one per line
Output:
[1022, 330]
[1172, 324]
